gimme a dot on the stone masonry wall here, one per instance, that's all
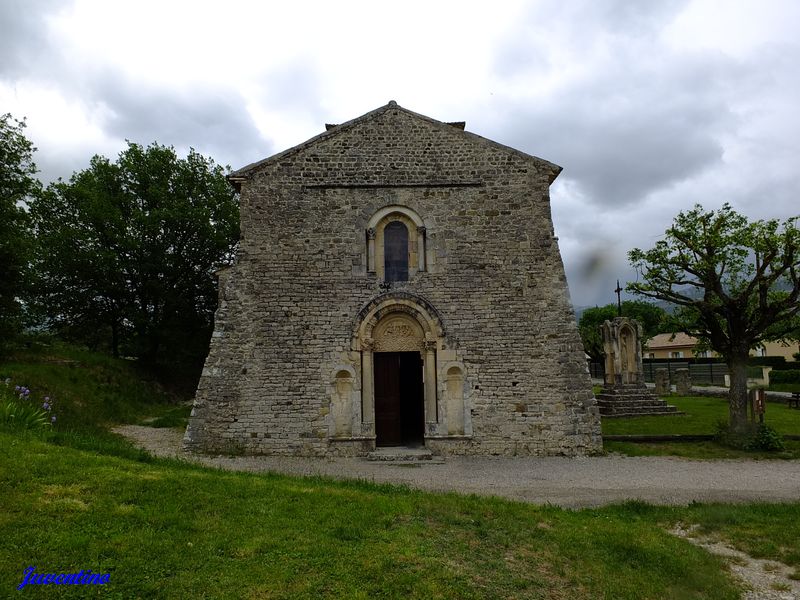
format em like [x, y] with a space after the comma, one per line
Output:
[494, 274]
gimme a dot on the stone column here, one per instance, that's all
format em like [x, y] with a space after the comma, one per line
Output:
[662, 382]
[371, 250]
[421, 246]
[430, 382]
[683, 383]
[367, 386]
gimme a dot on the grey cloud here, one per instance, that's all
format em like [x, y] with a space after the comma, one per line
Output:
[640, 124]
[213, 121]
[618, 156]
[23, 35]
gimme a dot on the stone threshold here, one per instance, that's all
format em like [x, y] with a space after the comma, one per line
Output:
[403, 454]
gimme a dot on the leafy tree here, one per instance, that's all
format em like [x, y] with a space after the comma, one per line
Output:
[736, 283]
[127, 251]
[18, 184]
[652, 318]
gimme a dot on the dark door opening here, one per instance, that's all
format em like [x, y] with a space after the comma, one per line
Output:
[399, 411]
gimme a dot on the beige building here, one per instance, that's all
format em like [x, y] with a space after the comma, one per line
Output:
[398, 283]
[680, 345]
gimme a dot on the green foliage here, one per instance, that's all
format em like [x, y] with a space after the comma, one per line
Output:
[127, 251]
[17, 185]
[93, 390]
[767, 361]
[737, 283]
[176, 417]
[788, 376]
[756, 438]
[767, 439]
[20, 410]
[652, 318]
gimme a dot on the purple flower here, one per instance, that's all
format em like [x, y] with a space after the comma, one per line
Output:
[17, 388]
[46, 406]
[47, 398]
[26, 391]
[53, 419]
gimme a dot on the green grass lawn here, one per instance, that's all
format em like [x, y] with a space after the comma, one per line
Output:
[701, 416]
[171, 530]
[702, 413]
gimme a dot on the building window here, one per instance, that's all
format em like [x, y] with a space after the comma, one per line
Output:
[395, 251]
[676, 354]
[390, 228]
[703, 354]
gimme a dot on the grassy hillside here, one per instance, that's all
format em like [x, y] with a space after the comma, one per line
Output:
[89, 392]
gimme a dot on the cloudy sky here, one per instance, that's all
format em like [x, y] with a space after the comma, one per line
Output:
[650, 106]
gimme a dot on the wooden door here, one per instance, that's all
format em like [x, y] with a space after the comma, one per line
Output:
[399, 410]
[388, 422]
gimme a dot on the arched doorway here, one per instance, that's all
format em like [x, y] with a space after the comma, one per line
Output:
[398, 380]
[398, 336]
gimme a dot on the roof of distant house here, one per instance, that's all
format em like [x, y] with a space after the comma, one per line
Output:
[670, 340]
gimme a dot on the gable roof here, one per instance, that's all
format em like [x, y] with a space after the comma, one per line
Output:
[331, 131]
[670, 340]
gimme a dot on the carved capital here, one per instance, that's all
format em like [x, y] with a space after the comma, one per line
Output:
[421, 230]
[367, 344]
[371, 233]
[430, 345]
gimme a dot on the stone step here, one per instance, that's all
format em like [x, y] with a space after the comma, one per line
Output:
[632, 402]
[638, 414]
[615, 411]
[400, 454]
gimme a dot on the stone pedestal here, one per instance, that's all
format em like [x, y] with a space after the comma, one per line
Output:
[624, 393]
[662, 382]
[683, 383]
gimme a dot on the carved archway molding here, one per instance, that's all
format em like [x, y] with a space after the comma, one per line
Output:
[425, 331]
[381, 306]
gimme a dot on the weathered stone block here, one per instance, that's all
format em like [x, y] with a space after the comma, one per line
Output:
[663, 387]
[683, 382]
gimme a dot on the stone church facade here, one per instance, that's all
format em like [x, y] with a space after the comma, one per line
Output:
[398, 283]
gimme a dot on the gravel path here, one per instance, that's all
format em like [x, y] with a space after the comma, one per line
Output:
[567, 482]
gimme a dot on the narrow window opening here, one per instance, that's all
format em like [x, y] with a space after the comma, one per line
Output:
[395, 251]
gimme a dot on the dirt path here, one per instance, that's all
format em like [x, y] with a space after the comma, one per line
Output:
[567, 482]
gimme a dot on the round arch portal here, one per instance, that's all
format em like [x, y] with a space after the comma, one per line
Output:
[398, 322]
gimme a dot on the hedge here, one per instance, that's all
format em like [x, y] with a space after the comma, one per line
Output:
[792, 376]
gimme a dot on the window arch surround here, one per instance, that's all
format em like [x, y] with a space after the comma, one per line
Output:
[376, 243]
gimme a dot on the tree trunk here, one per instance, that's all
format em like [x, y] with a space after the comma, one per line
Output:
[115, 339]
[737, 394]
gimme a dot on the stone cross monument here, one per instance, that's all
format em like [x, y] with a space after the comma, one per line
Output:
[623, 351]
[624, 392]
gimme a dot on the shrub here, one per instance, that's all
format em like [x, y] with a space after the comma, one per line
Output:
[788, 376]
[757, 438]
[766, 361]
[765, 439]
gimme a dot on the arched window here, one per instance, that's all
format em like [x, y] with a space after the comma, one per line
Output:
[386, 230]
[395, 251]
